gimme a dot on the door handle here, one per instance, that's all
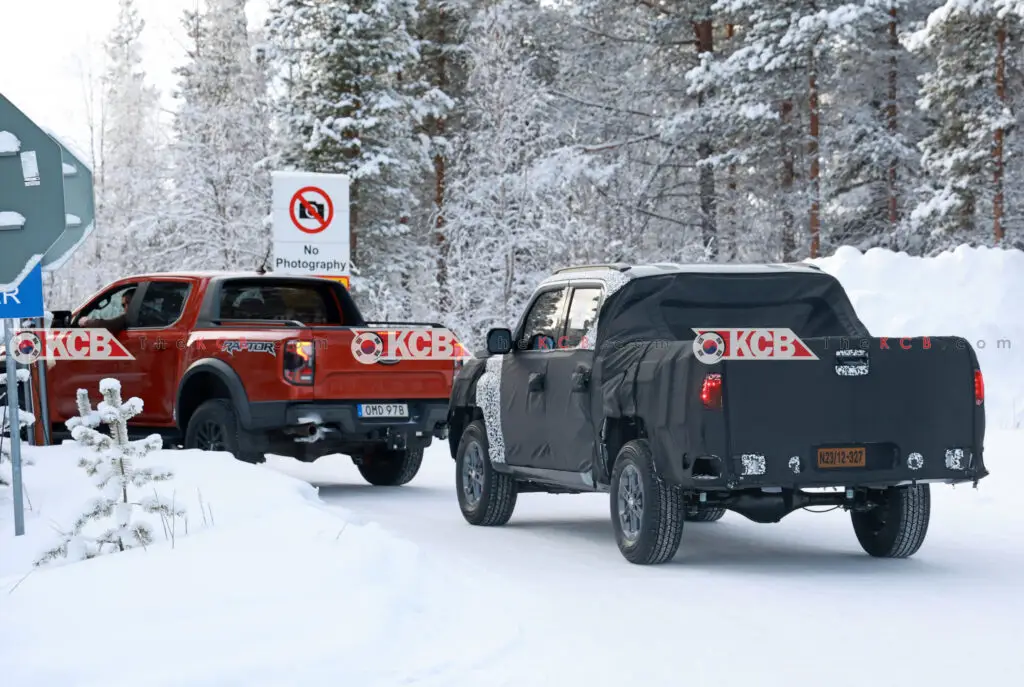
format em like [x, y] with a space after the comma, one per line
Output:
[536, 382]
[581, 378]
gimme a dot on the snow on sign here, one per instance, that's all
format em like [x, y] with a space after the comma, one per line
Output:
[309, 214]
[32, 208]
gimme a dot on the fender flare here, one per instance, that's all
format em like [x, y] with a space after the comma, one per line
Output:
[463, 398]
[226, 374]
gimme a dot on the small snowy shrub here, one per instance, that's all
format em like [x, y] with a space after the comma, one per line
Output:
[25, 419]
[115, 521]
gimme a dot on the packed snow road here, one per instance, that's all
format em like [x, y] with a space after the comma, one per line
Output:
[740, 602]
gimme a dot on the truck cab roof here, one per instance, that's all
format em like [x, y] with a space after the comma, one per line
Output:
[624, 271]
[213, 274]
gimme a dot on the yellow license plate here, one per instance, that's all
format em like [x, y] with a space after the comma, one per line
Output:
[842, 457]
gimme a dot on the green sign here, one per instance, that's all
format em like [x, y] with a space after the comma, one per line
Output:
[80, 207]
[32, 215]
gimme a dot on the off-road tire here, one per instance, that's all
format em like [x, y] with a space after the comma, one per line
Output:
[219, 413]
[895, 528]
[499, 491]
[391, 468]
[703, 514]
[661, 520]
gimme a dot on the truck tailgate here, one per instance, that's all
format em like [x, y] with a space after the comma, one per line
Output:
[340, 376]
[858, 411]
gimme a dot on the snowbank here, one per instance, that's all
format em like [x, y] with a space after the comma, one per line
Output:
[970, 292]
[269, 587]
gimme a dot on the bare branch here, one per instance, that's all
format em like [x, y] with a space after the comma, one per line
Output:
[587, 103]
[613, 145]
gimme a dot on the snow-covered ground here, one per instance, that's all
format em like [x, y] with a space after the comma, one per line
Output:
[278, 583]
[280, 588]
[269, 587]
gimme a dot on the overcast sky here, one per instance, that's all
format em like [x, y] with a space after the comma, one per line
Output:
[47, 45]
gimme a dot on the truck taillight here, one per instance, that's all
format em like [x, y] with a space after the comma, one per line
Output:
[979, 388]
[299, 362]
[711, 391]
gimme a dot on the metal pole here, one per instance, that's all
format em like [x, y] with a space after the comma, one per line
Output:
[15, 425]
[44, 409]
[29, 407]
[44, 402]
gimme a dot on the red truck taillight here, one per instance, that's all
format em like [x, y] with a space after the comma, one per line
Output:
[979, 388]
[711, 391]
[299, 362]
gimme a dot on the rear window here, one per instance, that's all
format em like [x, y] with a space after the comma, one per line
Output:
[807, 319]
[307, 303]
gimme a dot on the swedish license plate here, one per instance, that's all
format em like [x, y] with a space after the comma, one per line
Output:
[842, 457]
[372, 410]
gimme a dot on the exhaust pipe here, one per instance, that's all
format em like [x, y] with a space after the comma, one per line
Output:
[306, 430]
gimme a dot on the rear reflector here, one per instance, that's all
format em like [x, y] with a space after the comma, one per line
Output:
[979, 388]
[711, 391]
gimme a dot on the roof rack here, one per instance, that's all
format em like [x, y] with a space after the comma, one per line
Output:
[617, 266]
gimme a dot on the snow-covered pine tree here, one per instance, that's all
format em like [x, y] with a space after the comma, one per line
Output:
[113, 522]
[622, 96]
[130, 172]
[772, 83]
[509, 213]
[964, 97]
[131, 179]
[351, 101]
[218, 210]
[440, 33]
[871, 125]
[25, 420]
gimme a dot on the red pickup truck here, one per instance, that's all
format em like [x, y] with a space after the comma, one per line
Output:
[255, 364]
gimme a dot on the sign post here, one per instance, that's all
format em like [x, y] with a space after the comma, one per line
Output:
[14, 422]
[310, 225]
[34, 216]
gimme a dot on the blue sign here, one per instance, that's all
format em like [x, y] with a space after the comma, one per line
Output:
[25, 299]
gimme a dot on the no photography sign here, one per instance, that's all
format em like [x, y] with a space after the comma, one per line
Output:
[310, 224]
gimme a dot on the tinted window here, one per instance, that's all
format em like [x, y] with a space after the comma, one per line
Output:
[309, 304]
[582, 314]
[111, 304]
[542, 326]
[162, 304]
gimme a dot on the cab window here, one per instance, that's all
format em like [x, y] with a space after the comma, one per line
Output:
[581, 315]
[162, 303]
[306, 303]
[542, 326]
[111, 304]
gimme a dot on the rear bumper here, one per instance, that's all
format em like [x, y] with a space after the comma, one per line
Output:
[885, 466]
[427, 419]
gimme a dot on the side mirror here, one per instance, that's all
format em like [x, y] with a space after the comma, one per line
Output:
[61, 319]
[499, 341]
